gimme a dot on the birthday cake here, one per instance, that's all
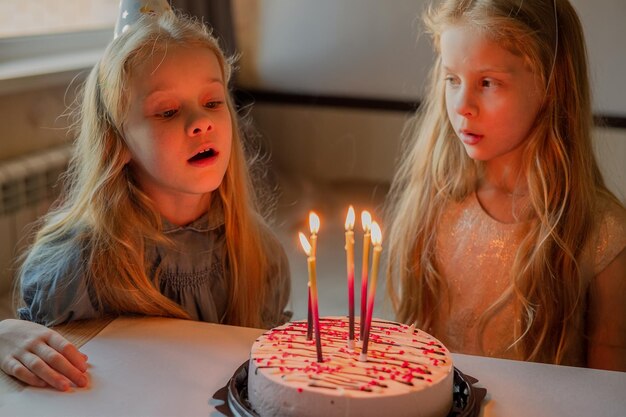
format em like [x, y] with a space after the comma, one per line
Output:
[407, 372]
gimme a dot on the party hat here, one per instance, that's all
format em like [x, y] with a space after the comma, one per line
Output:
[132, 10]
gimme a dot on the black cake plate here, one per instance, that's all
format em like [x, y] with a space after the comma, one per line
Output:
[466, 397]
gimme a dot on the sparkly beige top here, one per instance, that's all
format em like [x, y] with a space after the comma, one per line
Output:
[476, 254]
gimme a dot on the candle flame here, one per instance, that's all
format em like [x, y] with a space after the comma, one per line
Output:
[314, 223]
[377, 235]
[305, 244]
[350, 219]
[366, 220]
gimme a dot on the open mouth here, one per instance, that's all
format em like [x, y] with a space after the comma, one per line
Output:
[209, 153]
[470, 138]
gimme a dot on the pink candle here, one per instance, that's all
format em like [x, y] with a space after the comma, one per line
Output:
[366, 223]
[377, 242]
[313, 291]
[350, 272]
[309, 316]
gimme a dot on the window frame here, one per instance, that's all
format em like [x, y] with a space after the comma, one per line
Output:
[36, 61]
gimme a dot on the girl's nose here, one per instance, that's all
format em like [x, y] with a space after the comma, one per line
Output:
[465, 103]
[199, 123]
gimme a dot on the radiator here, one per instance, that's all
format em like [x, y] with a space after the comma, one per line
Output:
[28, 186]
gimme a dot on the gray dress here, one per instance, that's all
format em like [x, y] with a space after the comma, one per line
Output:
[191, 272]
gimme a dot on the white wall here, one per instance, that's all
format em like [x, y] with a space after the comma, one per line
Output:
[610, 147]
[369, 48]
[605, 32]
[337, 145]
[331, 144]
[31, 120]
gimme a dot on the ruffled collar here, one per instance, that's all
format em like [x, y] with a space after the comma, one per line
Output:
[211, 220]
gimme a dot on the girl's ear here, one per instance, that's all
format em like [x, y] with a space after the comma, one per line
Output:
[126, 156]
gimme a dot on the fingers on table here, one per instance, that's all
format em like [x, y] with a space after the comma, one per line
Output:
[16, 368]
[69, 351]
[55, 367]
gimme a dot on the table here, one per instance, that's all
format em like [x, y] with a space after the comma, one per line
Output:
[168, 367]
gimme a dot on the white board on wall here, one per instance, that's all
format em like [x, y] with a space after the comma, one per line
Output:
[369, 49]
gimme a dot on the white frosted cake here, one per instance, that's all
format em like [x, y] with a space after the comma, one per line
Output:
[408, 372]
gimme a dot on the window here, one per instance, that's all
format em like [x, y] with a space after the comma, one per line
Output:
[50, 41]
[38, 17]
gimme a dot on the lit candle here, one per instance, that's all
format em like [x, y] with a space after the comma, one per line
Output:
[350, 270]
[309, 316]
[313, 291]
[366, 223]
[314, 227]
[377, 239]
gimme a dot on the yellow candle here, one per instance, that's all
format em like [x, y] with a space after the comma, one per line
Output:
[375, 260]
[312, 279]
[350, 272]
[313, 295]
[314, 226]
[366, 223]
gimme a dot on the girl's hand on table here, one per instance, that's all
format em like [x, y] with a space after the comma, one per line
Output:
[40, 356]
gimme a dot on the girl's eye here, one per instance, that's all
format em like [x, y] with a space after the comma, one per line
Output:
[213, 104]
[451, 80]
[167, 113]
[487, 82]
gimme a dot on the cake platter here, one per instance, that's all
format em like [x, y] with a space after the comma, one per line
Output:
[466, 398]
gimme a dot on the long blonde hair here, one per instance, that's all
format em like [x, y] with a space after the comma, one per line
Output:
[108, 219]
[562, 175]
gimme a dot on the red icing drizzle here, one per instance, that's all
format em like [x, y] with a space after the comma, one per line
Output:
[396, 353]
